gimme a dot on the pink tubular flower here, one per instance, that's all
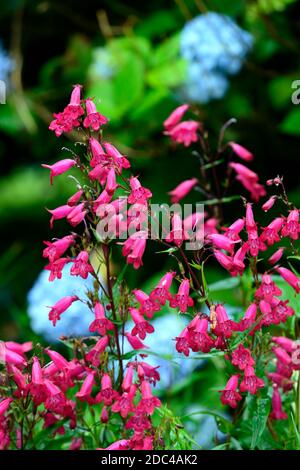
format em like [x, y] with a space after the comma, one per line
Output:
[59, 213]
[19, 348]
[127, 381]
[60, 362]
[74, 106]
[250, 222]
[222, 242]
[134, 342]
[291, 227]
[60, 307]
[104, 198]
[107, 394]
[267, 289]
[230, 396]
[10, 357]
[198, 338]
[146, 371]
[94, 120]
[251, 383]
[148, 402]
[101, 324]
[111, 183]
[232, 232]
[65, 121]
[249, 318]
[84, 393]
[142, 326]
[134, 248]
[73, 200]
[224, 327]
[98, 154]
[282, 355]
[241, 357]
[182, 300]
[76, 443]
[290, 278]
[161, 293]
[76, 215]
[4, 405]
[119, 160]
[182, 190]
[124, 403]
[286, 343]
[177, 234]
[139, 194]
[147, 306]
[175, 117]
[277, 411]
[55, 249]
[81, 266]
[249, 180]
[270, 233]
[276, 256]
[56, 268]
[281, 381]
[182, 342]
[118, 445]
[241, 151]
[93, 355]
[59, 168]
[184, 133]
[269, 204]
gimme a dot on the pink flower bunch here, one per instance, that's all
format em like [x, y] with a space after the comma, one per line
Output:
[55, 393]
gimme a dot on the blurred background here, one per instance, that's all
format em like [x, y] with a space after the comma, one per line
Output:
[140, 59]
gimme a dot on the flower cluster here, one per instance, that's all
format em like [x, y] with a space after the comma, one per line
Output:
[103, 382]
[214, 47]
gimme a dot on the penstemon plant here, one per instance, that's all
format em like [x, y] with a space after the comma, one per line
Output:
[103, 395]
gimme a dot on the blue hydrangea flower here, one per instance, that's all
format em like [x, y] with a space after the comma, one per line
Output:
[103, 65]
[75, 321]
[6, 65]
[214, 47]
[173, 367]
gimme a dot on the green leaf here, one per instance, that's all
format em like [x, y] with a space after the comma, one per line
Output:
[167, 51]
[291, 123]
[10, 121]
[259, 419]
[280, 91]
[169, 74]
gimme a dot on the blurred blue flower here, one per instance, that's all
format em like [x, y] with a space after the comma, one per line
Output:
[173, 367]
[214, 47]
[103, 64]
[6, 65]
[75, 321]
